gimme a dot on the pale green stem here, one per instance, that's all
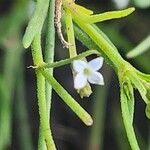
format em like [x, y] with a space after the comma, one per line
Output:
[69, 60]
[103, 44]
[49, 49]
[44, 121]
[127, 122]
[49, 56]
[86, 91]
[70, 34]
[68, 99]
[118, 64]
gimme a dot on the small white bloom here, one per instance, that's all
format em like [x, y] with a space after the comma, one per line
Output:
[120, 4]
[87, 72]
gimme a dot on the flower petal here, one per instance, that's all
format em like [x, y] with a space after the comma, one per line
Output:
[79, 65]
[96, 63]
[80, 81]
[96, 78]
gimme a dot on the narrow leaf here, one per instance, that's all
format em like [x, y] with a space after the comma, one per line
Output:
[36, 23]
[108, 15]
[83, 10]
[68, 99]
[140, 86]
[140, 49]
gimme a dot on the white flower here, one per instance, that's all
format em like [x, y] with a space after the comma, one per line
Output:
[120, 4]
[87, 72]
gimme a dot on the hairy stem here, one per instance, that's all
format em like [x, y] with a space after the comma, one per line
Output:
[69, 60]
[127, 122]
[68, 99]
[44, 121]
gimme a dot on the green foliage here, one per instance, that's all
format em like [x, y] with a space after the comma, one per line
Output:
[79, 24]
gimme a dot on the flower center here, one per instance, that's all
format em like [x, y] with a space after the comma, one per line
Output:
[87, 71]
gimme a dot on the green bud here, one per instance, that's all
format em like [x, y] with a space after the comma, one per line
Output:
[86, 91]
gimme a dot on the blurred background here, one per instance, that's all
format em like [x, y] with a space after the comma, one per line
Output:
[19, 119]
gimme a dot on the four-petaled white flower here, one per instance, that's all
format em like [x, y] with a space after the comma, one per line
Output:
[87, 72]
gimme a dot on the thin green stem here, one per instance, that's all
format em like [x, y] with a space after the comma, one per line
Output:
[127, 122]
[69, 60]
[86, 91]
[49, 48]
[106, 48]
[68, 99]
[70, 34]
[49, 56]
[44, 121]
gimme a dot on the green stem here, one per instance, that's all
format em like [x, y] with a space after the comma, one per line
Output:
[106, 48]
[49, 49]
[127, 122]
[49, 56]
[44, 122]
[69, 60]
[68, 99]
[70, 34]
[103, 44]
